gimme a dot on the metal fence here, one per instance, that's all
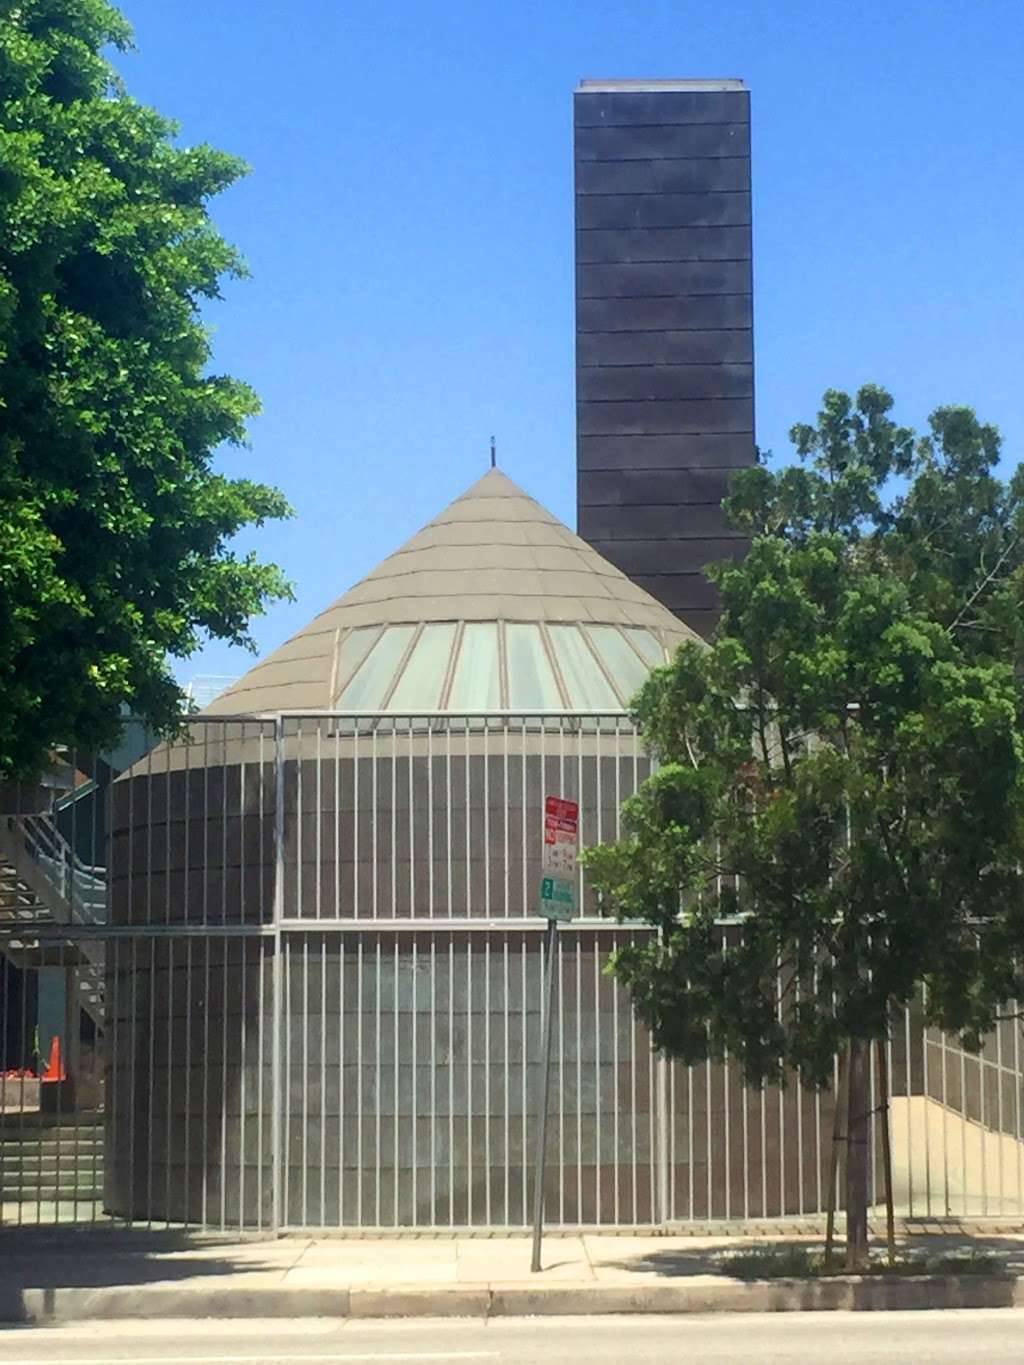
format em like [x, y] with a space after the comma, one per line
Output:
[306, 992]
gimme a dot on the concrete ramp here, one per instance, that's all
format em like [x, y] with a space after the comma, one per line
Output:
[945, 1164]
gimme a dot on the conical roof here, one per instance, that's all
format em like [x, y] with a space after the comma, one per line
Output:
[495, 604]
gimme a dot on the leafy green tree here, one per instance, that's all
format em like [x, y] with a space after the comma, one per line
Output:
[114, 525]
[843, 766]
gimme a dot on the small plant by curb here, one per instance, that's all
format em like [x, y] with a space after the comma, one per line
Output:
[805, 1263]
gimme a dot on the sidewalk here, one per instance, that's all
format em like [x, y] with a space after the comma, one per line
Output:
[90, 1274]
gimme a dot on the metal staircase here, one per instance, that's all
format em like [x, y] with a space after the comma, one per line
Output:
[43, 881]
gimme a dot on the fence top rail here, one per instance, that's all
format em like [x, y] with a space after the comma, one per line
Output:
[502, 715]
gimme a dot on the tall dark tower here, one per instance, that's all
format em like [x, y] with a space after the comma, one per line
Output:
[664, 327]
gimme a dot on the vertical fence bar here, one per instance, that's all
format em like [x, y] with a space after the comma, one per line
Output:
[506, 806]
[945, 1124]
[469, 1077]
[357, 749]
[467, 845]
[982, 1122]
[525, 890]
[414, 1116]
[204, 1211]
[556, 945]
[548, 1006]
[394, 819]
[243, 1077]
[487, 1074]
[763, 1117]
[506, 989]
[151, 1077]
[800, 1152]
[133, 1102]
[339, 909]
[927, 1095]
[132, 919]
[598, 1113]
[342, 1089]
[449, 864]
[727, 1182]
[690, 1145]
[396, 1107]
[1017, 1081]
[378, 1063]
[909, 1109]
[616, 1103]
[999, 1111]
[963, 1126]
[634, 1214]
[524, 1070]
[360, 1080]
[578, 954]
[430, 819]
[872, 1126]
[883, 1110]
[434, 1000]
[26, 1052]
[486, 766]
[323, 1049]
[261, 1064]
[782, 1118]
[319, 816]
[277, 984]
[451, 1079]
[374, 845]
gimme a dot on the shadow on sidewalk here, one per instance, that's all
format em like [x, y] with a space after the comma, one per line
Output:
[49, 1258]
[680, 1262]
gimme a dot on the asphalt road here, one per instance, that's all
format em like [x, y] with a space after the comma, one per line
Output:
[995, 1337]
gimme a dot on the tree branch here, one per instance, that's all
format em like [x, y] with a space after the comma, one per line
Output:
[982, 585]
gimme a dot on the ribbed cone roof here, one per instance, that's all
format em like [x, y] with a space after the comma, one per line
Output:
[494, 554]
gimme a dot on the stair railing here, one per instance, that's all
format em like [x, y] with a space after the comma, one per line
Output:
[81, 885]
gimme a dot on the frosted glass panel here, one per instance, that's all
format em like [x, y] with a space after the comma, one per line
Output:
[477, 682]
[531, 679]
[620, 659]
[648, 645]
[423, 676]
[367, 689]
[354, 645]
[586, 684]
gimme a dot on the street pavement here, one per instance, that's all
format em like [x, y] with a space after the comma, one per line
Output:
[995, 1337]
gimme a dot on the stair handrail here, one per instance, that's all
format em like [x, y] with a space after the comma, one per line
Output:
[35, 839]
[63, 867]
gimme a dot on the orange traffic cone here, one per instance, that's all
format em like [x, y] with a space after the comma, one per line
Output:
[55, 1071]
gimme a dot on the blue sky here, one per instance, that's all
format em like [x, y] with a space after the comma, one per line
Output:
[408, 223]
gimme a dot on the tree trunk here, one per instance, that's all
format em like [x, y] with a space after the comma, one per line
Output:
[858, 1130]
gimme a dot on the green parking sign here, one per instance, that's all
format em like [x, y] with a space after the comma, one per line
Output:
[557, 898]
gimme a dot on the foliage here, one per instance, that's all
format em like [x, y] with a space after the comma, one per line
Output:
[114, 526]
[843, 766]
[801, 1262]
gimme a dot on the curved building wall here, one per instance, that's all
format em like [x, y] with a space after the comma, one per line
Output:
[190, 980]
[391, 1010]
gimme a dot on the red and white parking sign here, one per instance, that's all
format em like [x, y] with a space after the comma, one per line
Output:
[558, 858]
[561, 833]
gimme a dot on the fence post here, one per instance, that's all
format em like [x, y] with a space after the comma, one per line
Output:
[833, 1164]
[277, 985]
[883, 1107]
[662, 1155]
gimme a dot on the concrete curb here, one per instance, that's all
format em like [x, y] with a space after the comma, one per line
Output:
[863, 1293]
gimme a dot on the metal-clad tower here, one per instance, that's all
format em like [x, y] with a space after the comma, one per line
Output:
[664, 327]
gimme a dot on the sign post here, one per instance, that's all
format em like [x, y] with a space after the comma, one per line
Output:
[557, 903]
